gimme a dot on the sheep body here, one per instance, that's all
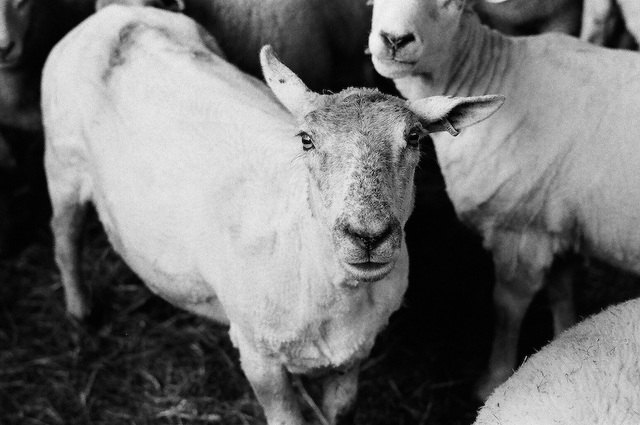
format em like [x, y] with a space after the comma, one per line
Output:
[323, 41]
[552, 173]
[525, 17]
[601, 20]
[203, 189]
[589, 374]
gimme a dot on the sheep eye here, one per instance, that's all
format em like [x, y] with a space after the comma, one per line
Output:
[415, 135]
[307, 141]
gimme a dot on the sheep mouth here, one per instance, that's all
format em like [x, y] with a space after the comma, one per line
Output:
[392, 67]
[369, 271]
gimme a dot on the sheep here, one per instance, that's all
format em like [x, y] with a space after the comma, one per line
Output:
[601, 20]
[323, 41]
[285, 222]
[590, 374]
[551, 174]
[28, 31]
[526, 17]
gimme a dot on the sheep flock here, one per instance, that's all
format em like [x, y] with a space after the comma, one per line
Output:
[319, 212]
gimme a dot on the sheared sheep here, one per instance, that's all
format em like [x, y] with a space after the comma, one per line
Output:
[554, 172]
[208, 193]
[601, 20]
[323, 41]
[526, 17]
[590, 374]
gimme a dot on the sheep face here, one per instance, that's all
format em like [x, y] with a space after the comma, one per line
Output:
[15, 16]
[407, 35]
[361, 148]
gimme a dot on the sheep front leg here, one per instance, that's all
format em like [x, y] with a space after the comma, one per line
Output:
[272, 386]
[560, 290]
[521, 262]
[67, 225]
[339, 392]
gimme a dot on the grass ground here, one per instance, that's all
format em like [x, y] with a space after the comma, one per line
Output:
[145, 362]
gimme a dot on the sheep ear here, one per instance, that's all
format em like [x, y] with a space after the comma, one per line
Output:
[286, 85]
[452, 114]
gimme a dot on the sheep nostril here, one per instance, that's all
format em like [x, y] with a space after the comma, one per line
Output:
[396, 42]
[370, 241]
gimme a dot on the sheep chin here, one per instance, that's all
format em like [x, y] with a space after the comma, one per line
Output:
[367, 272]
[393, 68]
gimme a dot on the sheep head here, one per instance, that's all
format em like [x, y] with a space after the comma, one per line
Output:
[15, 19]
[361, 148]
[413, 36]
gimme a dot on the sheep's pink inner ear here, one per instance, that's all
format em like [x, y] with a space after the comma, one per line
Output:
[285, 84]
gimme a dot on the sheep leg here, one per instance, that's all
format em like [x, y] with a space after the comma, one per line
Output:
[560, 291]
[520, 275]
[67, 225]
[271, 384]
[339, 392]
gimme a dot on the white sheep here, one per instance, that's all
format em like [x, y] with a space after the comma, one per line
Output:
[590, 374]
[525, 17]
[225, 206]
[555, 171]
[601, 20]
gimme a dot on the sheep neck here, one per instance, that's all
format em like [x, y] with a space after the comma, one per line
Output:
[481, 62]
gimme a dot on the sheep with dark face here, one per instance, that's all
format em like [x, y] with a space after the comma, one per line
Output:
[285, 222]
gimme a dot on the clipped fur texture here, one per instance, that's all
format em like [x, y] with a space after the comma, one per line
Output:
[553, 172]
[590, 374]
[206, 191]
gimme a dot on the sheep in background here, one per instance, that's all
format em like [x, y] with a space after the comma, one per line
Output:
[590, 374]
[555, 171]
[28, 31]
[526, 17]
[211, 197]
[601, 20]
[323, 41]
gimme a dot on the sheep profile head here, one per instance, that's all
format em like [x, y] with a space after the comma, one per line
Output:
[15, 20]
[361, 148]
[411, 35]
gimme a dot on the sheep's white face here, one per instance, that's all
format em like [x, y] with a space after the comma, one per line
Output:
[411, 35]
[361, 148]
[15, 19]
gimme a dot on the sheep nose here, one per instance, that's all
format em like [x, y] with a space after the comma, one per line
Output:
[6, 49]
[396, 42]
[369, 241]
